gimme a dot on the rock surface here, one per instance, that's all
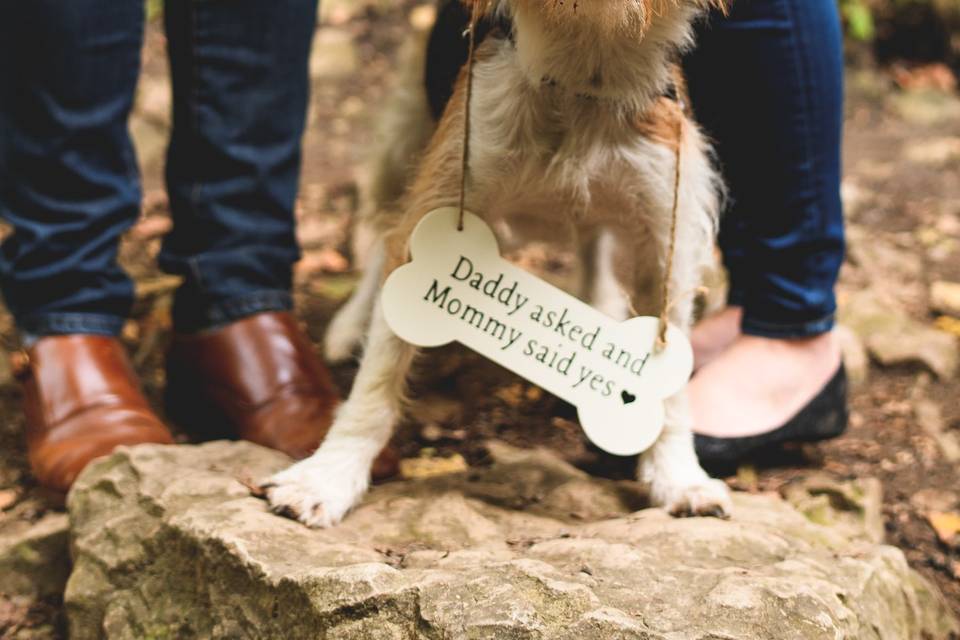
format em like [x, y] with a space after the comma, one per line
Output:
[854, 507]
[893, 338]
[945, 298]
[169, 544]
[34, 557]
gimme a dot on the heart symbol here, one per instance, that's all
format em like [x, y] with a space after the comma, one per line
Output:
[627, 397]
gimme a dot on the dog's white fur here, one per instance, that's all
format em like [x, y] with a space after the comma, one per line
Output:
[569, 154]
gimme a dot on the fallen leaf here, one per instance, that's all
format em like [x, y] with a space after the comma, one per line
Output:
[412, 468]
[948, 324]
[947, 526]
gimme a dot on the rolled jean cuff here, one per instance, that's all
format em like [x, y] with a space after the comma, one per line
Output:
[196, 318]
[765, 329]
[736, 298]
[59, 324]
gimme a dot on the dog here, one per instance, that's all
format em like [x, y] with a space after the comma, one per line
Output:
[577, 114]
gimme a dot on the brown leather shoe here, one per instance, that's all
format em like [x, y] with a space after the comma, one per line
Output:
[81, 400]
[257, 379]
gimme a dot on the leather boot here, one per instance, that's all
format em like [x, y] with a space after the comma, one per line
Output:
[256, 379]
[81, 400]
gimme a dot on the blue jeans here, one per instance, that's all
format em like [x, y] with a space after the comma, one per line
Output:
[68, 177]
[766, 83]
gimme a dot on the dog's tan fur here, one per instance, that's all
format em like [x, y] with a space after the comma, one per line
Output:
[570, 132]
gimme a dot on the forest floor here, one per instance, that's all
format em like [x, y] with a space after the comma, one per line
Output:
[902, 194]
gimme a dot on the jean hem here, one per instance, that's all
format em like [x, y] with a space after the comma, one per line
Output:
[57, 324]
[219, 314]
[753, 327]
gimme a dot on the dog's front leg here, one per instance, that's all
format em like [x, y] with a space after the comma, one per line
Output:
[670, 468]
[349, 325]
[320, 490]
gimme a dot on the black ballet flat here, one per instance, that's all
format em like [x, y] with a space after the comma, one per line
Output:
[822, 418]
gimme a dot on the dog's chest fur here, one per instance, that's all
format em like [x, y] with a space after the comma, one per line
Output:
[558, 121]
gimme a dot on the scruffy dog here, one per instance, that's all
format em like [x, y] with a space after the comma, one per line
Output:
[576, 118]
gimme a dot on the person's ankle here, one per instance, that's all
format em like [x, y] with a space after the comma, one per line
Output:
[714, 333]
[817, 347]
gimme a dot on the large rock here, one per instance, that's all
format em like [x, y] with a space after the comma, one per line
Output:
[168, 543]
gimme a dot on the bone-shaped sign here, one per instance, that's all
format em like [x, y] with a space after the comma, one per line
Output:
[458, 288]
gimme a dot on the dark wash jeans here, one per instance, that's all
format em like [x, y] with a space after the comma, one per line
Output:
[766, 83]
[68, 177]
[767, 86]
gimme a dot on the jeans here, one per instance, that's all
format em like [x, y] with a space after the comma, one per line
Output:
[766, 83]
[68, 177]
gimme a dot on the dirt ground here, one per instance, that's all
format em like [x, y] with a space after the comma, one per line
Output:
[902, 187]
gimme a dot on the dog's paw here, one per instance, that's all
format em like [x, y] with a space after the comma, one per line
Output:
[317, 491]
[706, 497]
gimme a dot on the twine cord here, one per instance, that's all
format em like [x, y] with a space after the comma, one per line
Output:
[666, 305]
[465, 158]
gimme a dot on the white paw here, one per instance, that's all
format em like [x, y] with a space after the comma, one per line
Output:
[343, 337]
[320, 490]
[703, 497]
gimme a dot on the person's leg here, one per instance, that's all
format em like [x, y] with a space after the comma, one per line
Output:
[239, 364]
[68, 177]
[69, 187]
[767, 86]
[240, 100]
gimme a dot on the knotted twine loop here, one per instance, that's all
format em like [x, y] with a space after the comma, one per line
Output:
[465, 158]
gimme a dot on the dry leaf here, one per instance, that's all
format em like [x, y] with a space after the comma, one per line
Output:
[411, 468]
[948, 324]
[947, 526]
